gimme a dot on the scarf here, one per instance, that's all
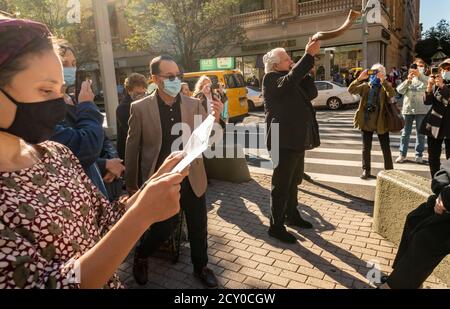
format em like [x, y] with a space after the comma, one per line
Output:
[373, 101]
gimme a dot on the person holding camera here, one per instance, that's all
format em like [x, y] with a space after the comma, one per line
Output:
[375, 92]
[210, 94]
[437, 123]
[414, 109]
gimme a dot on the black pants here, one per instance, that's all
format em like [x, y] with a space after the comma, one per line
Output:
[421, 249]
[435, 151]
[367, 149]
[285, 182]
[197, 223]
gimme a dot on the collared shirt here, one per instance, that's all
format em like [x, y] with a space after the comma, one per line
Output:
[169, 115]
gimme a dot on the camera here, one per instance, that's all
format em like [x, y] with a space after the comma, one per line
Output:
[413, 66]
[434, 71]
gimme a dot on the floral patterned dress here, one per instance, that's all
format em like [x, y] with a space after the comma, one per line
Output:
[50, 215]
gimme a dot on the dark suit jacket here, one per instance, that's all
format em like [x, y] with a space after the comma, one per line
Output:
[145, 139]
[287, 99]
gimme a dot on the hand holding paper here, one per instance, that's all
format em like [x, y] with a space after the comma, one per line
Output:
[197, 144]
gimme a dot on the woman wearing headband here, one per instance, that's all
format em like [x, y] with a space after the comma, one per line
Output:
[56, 229]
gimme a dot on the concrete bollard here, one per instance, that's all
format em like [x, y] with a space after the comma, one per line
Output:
[231, 168]
[397, 194]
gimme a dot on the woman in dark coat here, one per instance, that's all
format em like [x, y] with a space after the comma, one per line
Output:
[426, 237]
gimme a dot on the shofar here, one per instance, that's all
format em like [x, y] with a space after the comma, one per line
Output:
[327, 35]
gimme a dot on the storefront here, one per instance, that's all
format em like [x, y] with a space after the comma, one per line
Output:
[330, 60]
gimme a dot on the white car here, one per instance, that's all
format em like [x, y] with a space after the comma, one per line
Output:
[254, 98]
[333, 95]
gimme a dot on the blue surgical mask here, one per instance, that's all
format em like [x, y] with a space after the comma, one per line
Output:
[446, 75]
[172, 87]
[70, 75]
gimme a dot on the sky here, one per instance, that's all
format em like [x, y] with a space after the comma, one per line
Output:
[432, 11]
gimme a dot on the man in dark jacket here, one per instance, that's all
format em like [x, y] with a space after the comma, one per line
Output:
[135, 89]
[287, 96]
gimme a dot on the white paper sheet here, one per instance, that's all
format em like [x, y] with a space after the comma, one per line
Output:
[197, 144]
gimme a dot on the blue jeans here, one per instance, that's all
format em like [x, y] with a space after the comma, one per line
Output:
[406, 135]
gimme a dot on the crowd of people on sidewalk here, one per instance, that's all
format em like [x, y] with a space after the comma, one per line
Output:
[70, 199]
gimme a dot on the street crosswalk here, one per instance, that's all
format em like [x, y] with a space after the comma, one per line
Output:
[338, 160]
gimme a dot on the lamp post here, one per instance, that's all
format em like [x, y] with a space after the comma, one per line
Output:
[364, 33]
[106, 59]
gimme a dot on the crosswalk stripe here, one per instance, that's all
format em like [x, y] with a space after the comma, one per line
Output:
[325, 178]
[336, 129]
[403, 167]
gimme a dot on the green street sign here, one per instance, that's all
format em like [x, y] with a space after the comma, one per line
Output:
[225, 63]
[208, 64]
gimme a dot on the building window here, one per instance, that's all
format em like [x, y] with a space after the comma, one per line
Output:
[248, 6]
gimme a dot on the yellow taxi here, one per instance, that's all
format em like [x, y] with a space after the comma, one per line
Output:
[235, 89]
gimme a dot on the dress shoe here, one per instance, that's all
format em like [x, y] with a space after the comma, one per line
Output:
[282, 235]
[207, 277]
[299, 222]
[140, 269]
[366, 175]
[306, 177]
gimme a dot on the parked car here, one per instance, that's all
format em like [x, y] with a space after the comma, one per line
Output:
[254, 98]
[333, 95]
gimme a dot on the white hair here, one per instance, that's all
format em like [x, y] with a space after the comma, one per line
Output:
[379, 67]
[272, 58]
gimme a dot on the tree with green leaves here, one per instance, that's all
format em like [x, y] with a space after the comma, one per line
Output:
[187, 29]
[435, 37]
[53, 13]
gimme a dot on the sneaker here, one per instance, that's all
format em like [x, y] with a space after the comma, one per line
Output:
[419, 160]
[400, 159]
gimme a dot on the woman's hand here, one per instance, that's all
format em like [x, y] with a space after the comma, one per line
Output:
[160, 199]
[169, 164]
[364, 75]
[115, 167]
[86, 94]
[217, 108]
[381, 76]
[431, 83]
[439, 82]
[439, 208]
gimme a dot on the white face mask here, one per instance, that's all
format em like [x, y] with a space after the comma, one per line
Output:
[421, 70]
[446, 75]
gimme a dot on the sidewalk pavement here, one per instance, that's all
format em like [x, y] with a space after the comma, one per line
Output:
[333, 256]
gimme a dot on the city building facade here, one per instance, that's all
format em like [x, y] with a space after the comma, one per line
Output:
[289, 24]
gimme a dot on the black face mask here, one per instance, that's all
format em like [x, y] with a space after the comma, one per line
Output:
[36, 122]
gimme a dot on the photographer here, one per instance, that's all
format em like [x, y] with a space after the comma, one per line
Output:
[437, 123]
[371, 117]
[414, 109]
[208, 93]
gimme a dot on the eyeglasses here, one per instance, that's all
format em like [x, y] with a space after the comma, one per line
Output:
[172, 77]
